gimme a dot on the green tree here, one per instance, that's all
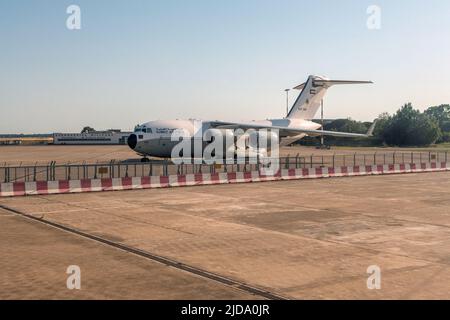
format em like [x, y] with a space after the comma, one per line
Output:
[441, 114]
[382, 121]
[410, 127]
[347, 125]
[87, 129]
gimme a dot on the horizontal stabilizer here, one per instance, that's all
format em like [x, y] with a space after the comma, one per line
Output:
[329, 83]
[311, 95]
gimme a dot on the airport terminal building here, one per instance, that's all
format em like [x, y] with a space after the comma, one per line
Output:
[96, 137]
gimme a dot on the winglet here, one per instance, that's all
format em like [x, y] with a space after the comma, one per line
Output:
[372, 128]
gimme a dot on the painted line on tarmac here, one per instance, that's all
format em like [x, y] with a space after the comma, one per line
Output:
[164, 260]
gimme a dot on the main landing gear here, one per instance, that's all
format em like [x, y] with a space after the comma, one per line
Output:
[145, 159]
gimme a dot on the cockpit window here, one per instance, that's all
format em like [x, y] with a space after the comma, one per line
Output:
[142, 129]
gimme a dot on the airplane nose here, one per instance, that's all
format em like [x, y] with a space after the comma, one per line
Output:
[132, 141]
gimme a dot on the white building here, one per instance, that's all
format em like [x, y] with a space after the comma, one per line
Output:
[96, 137]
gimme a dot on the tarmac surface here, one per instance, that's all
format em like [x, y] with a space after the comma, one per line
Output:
[43, 154]
[310, 239]
[35, 258]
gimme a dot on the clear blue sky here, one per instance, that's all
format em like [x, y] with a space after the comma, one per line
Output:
[135, 61]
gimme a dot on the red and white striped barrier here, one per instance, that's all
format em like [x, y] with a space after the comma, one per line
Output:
[115, 184]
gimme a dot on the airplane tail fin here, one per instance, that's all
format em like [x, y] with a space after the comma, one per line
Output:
[311, 95]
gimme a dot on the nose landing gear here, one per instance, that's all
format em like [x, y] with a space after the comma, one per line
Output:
[145, 159]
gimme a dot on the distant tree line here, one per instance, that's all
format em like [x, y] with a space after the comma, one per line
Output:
[87, 129]
[407, 127]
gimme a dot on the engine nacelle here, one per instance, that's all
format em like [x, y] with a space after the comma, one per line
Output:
[219, 140]
[230, 143]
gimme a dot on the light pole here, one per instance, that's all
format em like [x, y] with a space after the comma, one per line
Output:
[287, 101]
[321, 118]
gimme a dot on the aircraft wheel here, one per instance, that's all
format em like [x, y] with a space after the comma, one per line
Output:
[145, 160]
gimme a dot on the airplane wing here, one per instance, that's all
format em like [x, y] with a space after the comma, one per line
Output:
[285, 141]
[288, 132]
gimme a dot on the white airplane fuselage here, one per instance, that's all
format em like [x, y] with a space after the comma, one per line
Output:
[154, 138]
